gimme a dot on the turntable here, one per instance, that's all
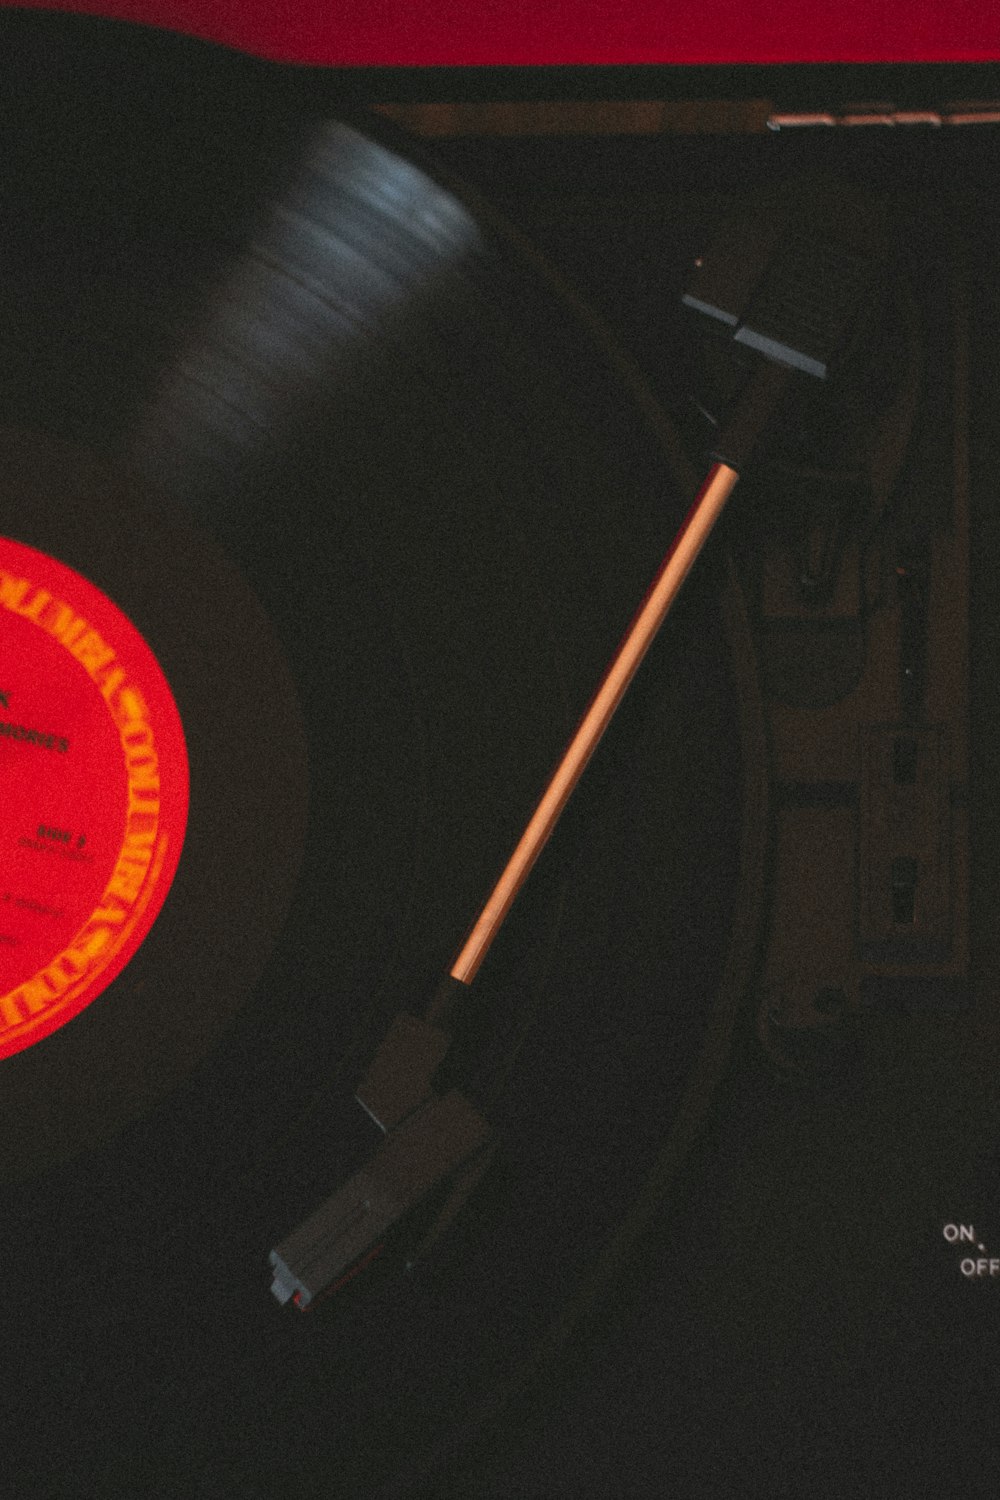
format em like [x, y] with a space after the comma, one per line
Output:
[343, 435]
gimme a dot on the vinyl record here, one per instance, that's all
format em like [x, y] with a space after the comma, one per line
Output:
[378, 500]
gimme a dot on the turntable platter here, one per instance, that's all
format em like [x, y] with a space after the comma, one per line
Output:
[380, 499]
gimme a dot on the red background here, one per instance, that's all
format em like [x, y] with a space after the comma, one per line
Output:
[449, 33]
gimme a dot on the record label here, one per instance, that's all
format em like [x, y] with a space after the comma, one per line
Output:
[95, 777]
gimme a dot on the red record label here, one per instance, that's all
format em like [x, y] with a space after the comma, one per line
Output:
[94, 777]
